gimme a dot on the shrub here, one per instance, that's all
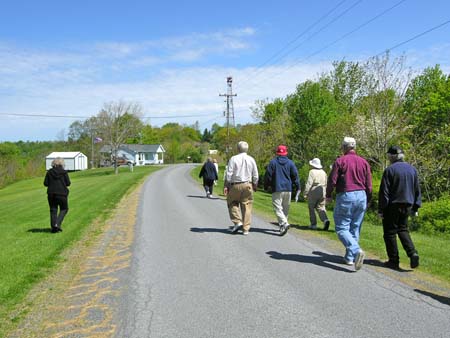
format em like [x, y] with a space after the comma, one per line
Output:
[434, 217]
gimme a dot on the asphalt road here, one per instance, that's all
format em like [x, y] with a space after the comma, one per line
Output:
[191, 278]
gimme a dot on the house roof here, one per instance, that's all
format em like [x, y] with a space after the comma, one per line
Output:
[137, 148]
[64, 154]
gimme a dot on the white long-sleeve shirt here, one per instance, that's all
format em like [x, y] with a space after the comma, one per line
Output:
[242, 168]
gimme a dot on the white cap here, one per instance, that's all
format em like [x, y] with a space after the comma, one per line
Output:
[315, 162]
[349, 142]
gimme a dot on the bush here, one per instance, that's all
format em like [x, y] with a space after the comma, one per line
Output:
[434, 217]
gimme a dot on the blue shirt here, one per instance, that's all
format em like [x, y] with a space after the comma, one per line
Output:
[400, 184]
[281, 174]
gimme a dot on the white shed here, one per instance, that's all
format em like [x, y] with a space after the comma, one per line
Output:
[73, 160]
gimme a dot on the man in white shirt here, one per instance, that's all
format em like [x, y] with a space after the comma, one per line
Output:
[240, 182]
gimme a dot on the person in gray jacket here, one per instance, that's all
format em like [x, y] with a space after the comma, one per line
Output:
[315, 191]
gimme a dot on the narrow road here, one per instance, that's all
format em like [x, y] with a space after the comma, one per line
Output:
[190, 277]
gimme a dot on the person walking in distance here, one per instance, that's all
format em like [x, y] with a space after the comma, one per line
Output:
[315, 191]
[281, 175]
[240, 181]
[57, 180]
[352, 179]
[209, 174]
[216, 165]
[399, 197]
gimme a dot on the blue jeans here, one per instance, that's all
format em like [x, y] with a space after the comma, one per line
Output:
[348, 217]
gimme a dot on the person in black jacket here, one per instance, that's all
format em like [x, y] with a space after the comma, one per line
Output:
[57, 180]
[398, 198]
[209, 174]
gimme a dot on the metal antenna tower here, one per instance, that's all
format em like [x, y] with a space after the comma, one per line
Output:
[229, 112]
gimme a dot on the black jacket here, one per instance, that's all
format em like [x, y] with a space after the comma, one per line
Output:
[208, 172]
[57, 180]
[400, 185]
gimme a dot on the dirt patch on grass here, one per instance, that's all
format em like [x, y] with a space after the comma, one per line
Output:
[79, 299]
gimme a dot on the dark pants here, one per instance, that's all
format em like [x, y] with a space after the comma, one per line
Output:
[208, 185]
[395, 222]
[55, 201]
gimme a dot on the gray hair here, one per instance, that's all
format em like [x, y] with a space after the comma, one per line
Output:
[242, 147]
[396, 157]
[59, 161]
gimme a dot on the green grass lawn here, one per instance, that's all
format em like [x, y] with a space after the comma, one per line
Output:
[28, 249]
[434, 250]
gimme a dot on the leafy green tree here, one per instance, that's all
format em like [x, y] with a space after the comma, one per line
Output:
[428, 112]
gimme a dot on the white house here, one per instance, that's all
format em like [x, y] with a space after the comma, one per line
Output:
[140, 154]
[73, 160]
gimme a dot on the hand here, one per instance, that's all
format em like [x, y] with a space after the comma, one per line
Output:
[380, 214]
[328, 200]
[225, 191]
[254, 186]
[414, 213]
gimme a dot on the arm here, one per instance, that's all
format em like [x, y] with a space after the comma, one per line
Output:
[417, 193]
[309, 183]
[294, 177]
[67, 180]
[46, 179]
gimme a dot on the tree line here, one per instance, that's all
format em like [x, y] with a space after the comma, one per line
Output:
[380, 102]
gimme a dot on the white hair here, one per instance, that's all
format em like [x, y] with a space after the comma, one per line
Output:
[396, 157]
[59, 161]
[242, 147]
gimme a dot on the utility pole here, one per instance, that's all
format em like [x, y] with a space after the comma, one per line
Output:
[229, 113]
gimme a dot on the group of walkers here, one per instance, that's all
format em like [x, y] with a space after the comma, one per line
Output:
[351, 180]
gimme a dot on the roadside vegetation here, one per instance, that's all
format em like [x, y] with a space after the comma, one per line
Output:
[29, 251]
[433, 249]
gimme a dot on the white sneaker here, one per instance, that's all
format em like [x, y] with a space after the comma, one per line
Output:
[284, 229]
[359, 260]
[235, 228]
[245, 233]
[346, 262]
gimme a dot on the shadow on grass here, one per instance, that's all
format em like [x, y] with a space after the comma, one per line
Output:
[40, 230]
[321, 259]
[439, 298]
[306, 227]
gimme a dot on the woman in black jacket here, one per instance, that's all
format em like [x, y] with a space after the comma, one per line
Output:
[57, 180]
[209, 174]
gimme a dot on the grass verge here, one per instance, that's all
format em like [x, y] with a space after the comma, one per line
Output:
[434, 250]
[29, 250]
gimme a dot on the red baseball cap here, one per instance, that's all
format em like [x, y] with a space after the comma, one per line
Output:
[282, 150]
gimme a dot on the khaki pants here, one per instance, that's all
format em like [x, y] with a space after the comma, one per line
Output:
[281, 201]
[316, 202]
[240, 202]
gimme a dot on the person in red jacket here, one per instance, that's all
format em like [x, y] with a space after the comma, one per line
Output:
[57, 180]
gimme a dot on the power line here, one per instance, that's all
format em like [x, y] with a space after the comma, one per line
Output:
[414, 37]
[298, 37]
[82, 117]
[343, 36]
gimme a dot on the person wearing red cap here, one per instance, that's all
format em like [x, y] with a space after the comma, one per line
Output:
[281, 175]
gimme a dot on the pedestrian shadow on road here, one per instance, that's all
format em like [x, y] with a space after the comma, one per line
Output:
[203, 230]
[321, 259]
[203, 196]
[39, 230]
[273, 232]
[439, 298]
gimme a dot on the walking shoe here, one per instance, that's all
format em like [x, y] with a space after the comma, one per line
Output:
[391, 265]
[284, 229]
[313, 226]
[359, 260]
[245, 233]
[235, 228]
[414, 260]
[347, 262]
[326, 225]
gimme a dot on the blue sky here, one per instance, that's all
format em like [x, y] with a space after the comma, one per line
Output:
[60, 61]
